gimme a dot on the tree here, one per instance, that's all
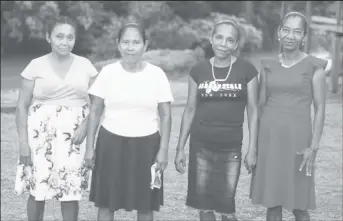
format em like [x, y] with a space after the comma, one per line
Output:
[24, 20]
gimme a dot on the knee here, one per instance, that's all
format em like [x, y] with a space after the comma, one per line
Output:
[206, 211]
[69, 203]
[144, 212]
[275, 209]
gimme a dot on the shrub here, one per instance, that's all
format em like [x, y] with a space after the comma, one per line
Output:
[251, 37]
[173, 33]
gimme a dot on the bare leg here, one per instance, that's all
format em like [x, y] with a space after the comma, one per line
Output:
[274, 214]
[207, 215]
[70, 210]
[104, 214]
[301, 215]
[35, 209]
[229, 217]
[145, 215]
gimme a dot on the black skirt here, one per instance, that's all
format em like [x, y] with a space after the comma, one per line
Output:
[122, 172]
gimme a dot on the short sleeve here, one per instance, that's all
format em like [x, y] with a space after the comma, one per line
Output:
[98, 88]
[30, 72]
[319, 63]
[251, 72]
[164, 93]
[91, 70]
[194, 74]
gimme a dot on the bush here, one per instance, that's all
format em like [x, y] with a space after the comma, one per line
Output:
[173, 33]
[251, 37]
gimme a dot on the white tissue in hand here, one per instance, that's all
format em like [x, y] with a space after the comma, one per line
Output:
[155, 177]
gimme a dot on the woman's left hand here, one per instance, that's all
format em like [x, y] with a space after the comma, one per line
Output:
[309, 156]
[162, 159]
[80, 134]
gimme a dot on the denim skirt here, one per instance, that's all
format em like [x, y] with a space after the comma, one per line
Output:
[122, 173]
[213, 176]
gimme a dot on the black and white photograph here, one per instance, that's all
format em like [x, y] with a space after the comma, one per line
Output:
[171, 110]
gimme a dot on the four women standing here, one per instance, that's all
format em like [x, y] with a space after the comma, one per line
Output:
[134, 98]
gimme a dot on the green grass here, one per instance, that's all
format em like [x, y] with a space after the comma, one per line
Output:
[328, 177]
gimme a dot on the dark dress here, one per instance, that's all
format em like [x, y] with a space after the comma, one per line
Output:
[285, 129]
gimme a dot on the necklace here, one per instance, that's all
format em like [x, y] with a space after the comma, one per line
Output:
[227, 76]
[281, 59]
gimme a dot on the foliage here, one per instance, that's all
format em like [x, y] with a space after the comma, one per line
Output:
[170, 24]
[204, 27]
[25, 20]
[175, 33]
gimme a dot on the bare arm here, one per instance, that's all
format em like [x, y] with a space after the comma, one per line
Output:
[319, 95]
[96, 109]
[252, 111]
[262, 98]
[164, 110]
[23, 104]
[188, 114]
[91, 81]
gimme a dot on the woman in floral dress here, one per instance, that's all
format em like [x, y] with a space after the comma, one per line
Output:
[51, 119]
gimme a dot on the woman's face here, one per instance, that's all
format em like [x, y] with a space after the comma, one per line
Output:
[62, 39]
[224, 40]
[292, 33]
[131, 44]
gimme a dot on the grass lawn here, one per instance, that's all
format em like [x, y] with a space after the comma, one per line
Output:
[328, 178]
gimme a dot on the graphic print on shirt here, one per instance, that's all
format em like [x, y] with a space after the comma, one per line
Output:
[218, 90]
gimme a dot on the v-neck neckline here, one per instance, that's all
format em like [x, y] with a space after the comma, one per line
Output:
[68, 71]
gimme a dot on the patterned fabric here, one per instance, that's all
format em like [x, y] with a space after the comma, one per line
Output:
[58, 171]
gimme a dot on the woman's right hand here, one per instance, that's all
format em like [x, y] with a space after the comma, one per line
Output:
[25, 154]
[180, 161]
[89, 158]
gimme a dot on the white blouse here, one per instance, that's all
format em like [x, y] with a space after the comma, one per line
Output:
[131, 99]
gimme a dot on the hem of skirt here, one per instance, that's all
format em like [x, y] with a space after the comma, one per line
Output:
[79, 198]
[125, 208]
[209, 210]
[288, 208]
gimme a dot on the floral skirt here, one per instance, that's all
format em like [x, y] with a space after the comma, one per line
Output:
[58, 170]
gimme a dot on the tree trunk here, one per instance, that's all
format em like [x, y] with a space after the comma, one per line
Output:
[249, 11]
[336, 60]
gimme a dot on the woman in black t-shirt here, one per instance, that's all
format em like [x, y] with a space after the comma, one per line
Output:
[219, 90]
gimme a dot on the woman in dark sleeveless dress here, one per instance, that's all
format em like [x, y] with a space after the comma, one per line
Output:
[287, 146]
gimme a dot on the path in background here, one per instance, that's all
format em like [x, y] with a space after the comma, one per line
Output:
[11, 67]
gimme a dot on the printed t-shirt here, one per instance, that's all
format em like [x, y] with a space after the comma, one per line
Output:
[220, 108]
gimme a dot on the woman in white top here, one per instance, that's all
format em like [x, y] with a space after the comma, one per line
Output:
[135, 97]
[52, 124]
